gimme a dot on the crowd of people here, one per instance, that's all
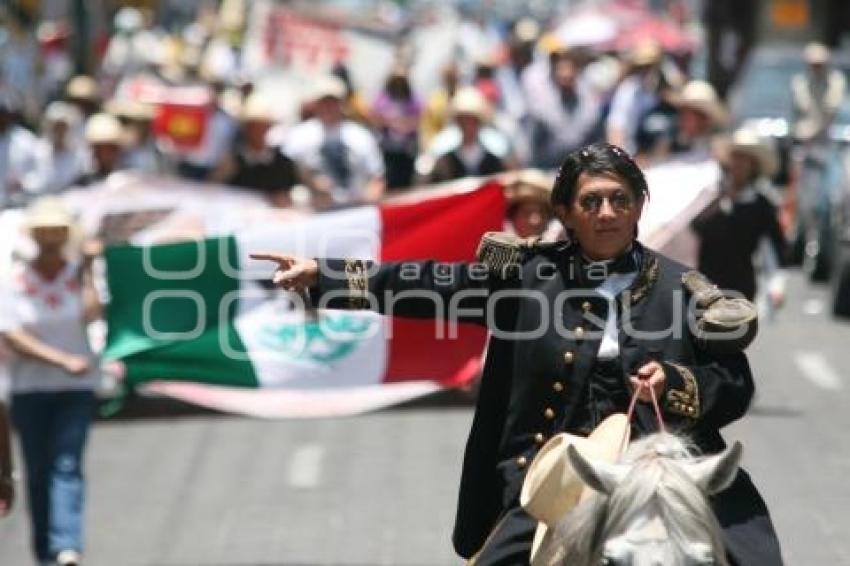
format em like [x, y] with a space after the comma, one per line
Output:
[526, 105]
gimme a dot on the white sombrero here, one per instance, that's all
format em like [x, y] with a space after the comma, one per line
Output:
[747, 141]
[702, 97]
[552, 488]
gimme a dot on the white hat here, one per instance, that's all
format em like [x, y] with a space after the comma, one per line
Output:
[48, 212]
[816, 53]
[329, 87]
[527, 185]
[103, 129]
[132, 109]
[83, 87]
[747, 141]
[257, 108]
[645, 52]
[58, 111]
[702, 97]
[552, 488]
[470, 101]
[128, 19]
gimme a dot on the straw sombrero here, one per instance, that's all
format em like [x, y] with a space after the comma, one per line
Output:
[257, 108]
[528, 185]
[470, 102]
[329, 87]
[83, 87]
[816, 54]
[102, 129]
[645, 52]
[48, 212]
[552, 488]
[747, 141]
[702, 97]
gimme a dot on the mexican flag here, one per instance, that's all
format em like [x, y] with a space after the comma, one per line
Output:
[200, 319]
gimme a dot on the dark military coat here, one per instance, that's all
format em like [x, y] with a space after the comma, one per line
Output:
[546, 325]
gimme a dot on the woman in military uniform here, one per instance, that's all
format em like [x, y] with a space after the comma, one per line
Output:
[573, 327]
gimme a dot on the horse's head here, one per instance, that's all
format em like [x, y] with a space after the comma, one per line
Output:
[652, 507]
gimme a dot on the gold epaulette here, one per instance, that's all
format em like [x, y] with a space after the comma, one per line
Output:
[504, 253]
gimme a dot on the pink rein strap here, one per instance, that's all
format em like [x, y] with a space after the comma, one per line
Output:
[630, 413]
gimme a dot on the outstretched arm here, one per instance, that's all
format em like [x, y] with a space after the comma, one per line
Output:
[416, 289]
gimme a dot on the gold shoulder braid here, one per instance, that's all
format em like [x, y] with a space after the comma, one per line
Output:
[725, 325]
[504, 253]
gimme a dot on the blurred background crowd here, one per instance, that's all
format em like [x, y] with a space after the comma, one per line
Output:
[321, 105]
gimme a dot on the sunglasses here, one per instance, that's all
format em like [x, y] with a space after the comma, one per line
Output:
[620, 201]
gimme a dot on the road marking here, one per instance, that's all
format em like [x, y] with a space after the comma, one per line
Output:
[816, 369]
[306, 466]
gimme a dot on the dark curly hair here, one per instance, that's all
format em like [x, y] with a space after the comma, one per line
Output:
[597, 159]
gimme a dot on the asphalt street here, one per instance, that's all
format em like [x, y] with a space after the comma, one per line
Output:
[208, 490]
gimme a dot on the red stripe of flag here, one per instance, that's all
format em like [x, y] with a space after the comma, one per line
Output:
[446, 229]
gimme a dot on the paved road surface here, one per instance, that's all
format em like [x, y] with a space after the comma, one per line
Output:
[210, 490]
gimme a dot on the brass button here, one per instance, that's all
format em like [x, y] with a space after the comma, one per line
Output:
[558, 386]
[579, 332]
[569, 357]
[521, 461]
[549, 413]
[539, 438]
[586, 306]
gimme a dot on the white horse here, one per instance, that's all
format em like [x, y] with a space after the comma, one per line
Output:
[649, 509]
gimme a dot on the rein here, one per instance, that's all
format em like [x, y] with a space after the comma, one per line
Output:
[630, 413]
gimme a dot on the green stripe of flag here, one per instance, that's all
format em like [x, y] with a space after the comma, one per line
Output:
[165, 316]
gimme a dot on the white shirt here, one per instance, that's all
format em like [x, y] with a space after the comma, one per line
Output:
[54, 171]
[631, 101]
[347, 153]
[52, 311]
[217, 142]
[17, 158]
[470, 156]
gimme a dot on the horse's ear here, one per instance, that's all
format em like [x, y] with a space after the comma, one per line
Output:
[715, 473]
[599, 476]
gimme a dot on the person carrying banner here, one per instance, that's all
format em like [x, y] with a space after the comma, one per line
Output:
[575, 328]
[43, 319]
[339, 160]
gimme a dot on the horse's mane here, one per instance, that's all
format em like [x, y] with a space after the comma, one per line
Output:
[656, 479]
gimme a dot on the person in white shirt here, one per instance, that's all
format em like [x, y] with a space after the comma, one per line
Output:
[817, 94]
[43, 316]
[639, 93]
[105, 137]
[59, 159]
[565, 109]
[17, 151]
[339, 159]
[470, 156]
